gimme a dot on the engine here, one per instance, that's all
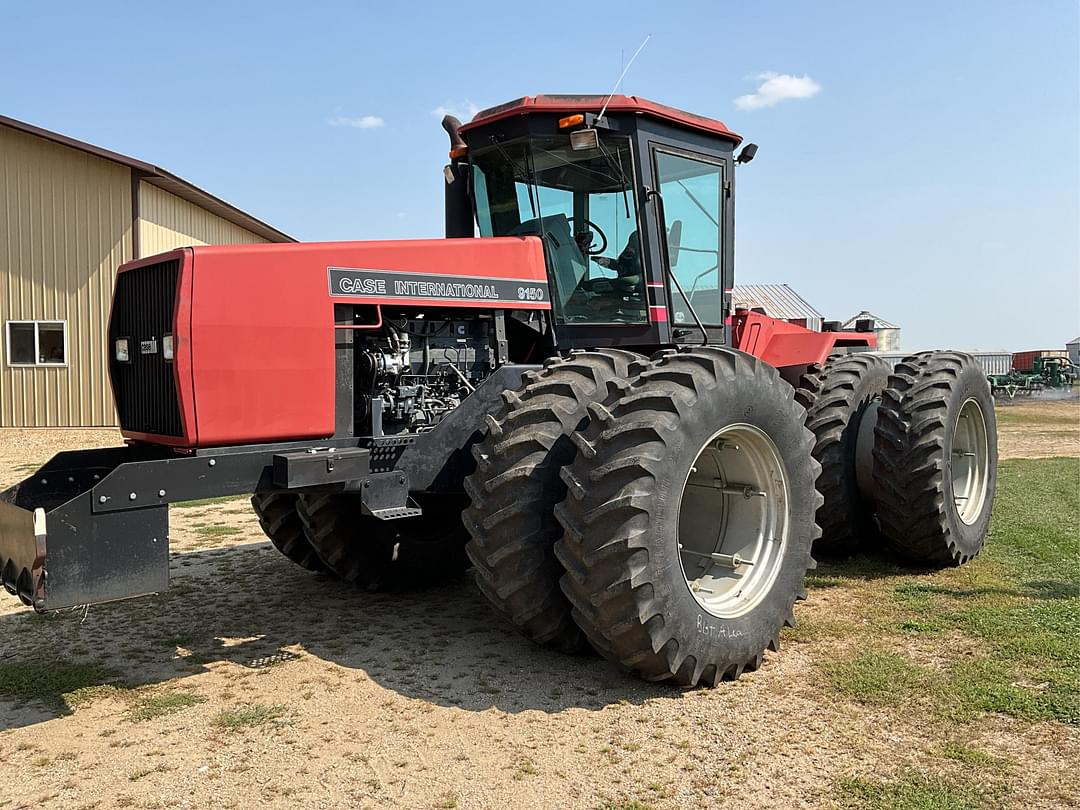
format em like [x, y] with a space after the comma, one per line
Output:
[415, 370]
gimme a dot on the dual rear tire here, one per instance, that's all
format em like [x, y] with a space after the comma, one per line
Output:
[281, 523]
[402, 555]
[908, 454]
[935, 458]
[838, 394]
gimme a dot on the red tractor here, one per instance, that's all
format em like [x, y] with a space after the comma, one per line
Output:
[560, 393]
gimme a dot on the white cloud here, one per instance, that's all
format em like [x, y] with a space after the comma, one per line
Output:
[359, 122]
[462, 110]
[777, 87]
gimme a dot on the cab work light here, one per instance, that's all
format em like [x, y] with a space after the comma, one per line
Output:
[585, 139]
[167, 347]
[122, 353]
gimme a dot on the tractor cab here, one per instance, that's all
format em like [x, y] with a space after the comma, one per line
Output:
[633, 208]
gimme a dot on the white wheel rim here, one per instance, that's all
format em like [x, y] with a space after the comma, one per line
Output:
[734, 517]
[969, 464]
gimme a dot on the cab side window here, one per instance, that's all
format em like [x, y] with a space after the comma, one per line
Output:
[692, 190]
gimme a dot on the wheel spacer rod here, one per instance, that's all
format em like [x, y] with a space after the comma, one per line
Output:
[727, 560]
[963, 454]
[745, 490]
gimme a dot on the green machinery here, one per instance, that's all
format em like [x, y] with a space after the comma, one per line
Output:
[1045, 373]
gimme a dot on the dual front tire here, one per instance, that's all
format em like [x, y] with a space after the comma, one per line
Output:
[671, 513]
[689, 517]
[516, 485]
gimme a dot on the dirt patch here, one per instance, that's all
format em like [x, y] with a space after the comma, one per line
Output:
[372, 700]
[1039, 428]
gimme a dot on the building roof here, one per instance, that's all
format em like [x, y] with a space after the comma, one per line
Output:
[1073, 341]
[583, 103]
[156, 176]
[867, 315]
[778, 301]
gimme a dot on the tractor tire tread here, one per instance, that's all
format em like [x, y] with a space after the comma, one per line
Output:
[909, 458]
[516, 485]
[373, 554]
[609, 579]
[281, 523]
[833, 393]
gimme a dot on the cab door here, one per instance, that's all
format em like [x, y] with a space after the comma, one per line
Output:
[693, 189]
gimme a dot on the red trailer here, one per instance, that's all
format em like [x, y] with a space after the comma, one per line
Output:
[1025, 361]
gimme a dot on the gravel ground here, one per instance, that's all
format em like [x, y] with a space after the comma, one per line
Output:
[253, 684]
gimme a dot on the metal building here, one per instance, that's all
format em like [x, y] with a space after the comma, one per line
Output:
[72, 213]
[777, 301]
[1073, 348]
[887, 334]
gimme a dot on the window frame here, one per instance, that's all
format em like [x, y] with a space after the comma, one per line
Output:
[37, 343]
[655, 149]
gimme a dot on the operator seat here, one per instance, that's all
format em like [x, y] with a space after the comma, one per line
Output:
[566, 257]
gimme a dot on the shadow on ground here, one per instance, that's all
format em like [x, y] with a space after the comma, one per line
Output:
[833, 573]
[249, 606]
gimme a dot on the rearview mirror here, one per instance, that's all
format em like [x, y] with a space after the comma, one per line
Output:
[674, 240]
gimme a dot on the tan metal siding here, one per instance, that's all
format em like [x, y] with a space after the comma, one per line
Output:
[65, 226]
[167, 221]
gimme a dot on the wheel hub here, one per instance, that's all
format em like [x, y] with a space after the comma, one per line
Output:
[733, 521]
[970, 462]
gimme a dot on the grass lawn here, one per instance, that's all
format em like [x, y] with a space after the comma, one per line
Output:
[999, 635]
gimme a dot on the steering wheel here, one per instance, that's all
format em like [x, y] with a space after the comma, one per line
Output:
[593, 251]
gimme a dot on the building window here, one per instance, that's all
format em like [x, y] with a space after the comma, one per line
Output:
[37, 343]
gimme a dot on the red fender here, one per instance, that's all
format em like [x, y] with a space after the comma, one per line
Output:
[782, 344]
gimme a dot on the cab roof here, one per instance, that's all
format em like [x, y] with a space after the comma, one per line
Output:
[569, 104]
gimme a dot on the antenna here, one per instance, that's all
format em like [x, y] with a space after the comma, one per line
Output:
[615, 89]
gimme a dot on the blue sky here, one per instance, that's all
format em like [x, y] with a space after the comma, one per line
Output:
[933, 177]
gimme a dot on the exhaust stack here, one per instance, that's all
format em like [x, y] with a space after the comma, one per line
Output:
[457, 205]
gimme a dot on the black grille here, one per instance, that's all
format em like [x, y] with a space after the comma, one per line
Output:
[143, 312]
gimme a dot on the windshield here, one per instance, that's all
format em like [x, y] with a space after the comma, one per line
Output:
[581, 203]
